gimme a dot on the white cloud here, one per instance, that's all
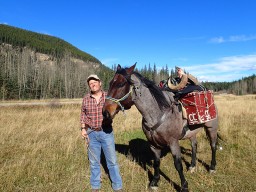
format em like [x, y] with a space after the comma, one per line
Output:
[109, 61]
[217, 40]
[242, 38]
[45, 33]
[220, 78]
[234, 38]
[226, 69]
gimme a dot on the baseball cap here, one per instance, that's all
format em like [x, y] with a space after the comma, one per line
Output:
[93, 76]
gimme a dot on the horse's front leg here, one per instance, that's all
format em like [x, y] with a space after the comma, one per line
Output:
[193, 155]
[156, 177]
[175, 149]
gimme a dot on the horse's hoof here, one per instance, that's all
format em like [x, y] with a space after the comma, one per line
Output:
[212, 171]
[153, 185]
[192, 169]
[184, 188]
[153, 188]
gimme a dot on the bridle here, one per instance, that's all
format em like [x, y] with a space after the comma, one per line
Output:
[134, 88]
[121, 99]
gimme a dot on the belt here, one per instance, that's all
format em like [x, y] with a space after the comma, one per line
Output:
[96, 128]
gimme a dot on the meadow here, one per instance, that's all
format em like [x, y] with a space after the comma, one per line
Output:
[41, 150]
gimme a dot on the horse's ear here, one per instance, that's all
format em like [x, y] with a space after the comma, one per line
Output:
[131, 69]
[118, 67]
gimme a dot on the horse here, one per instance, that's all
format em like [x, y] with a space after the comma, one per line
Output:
[162, 120]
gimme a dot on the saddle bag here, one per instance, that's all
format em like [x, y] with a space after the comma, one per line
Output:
[199, 106]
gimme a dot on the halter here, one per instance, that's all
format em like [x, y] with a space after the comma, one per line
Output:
[121, 99]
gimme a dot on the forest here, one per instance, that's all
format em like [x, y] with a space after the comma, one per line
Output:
[38, 66]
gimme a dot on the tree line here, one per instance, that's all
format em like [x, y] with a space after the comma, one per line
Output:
[246, 85]
[27, 74]
[37, 66]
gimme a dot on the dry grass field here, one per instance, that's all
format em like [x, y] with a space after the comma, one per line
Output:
[41, 150]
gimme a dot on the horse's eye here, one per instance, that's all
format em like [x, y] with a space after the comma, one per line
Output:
[121, 84]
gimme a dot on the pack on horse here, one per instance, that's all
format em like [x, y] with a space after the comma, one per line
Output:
[162, 122]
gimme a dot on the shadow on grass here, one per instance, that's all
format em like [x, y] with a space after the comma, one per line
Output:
[188, 153]
[139, 151]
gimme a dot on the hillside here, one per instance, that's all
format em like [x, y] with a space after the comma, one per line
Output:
[38, 66]
[41, 43]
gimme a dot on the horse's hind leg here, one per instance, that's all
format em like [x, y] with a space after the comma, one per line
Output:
[156, 177]
[193, 155]
[175, 149]
[212, 135]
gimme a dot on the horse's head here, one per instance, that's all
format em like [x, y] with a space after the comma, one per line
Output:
[119, 93]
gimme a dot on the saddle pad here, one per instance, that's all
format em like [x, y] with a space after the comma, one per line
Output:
[199, 106]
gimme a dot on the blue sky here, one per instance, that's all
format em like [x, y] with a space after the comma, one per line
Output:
[213, 40]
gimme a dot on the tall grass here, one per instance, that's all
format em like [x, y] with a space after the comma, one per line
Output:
[41, 150]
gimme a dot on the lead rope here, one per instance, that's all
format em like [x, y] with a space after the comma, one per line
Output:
[89, 150]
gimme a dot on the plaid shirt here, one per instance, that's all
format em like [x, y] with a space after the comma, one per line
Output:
[91, 112]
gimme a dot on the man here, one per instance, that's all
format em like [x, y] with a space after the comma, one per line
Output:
[99, 136]
[183, 84]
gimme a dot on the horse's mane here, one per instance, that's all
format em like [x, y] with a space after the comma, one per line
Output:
[155, 91]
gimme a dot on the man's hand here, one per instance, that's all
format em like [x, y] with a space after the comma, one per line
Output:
[85, 136]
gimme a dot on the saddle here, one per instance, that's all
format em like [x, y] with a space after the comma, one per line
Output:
[199, 107]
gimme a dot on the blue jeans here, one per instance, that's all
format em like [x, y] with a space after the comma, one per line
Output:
[105, 141]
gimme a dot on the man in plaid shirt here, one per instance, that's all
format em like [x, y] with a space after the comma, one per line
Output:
[98, 136]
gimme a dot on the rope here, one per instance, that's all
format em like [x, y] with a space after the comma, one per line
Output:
[93, 154]
[193, 103]
[121, 99]
[88, 148]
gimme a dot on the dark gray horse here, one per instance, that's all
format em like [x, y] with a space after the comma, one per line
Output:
[162, 120]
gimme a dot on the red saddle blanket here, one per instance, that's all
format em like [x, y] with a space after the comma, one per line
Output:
[199, 106]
